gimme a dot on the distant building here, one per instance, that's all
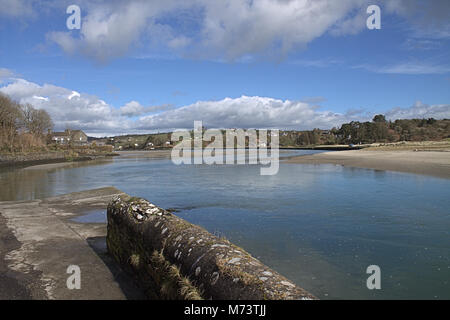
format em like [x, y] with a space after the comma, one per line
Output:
[100, 143]
[69, 136]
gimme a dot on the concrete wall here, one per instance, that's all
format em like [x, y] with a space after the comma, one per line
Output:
[173, 259]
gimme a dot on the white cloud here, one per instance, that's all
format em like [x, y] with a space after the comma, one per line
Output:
[73, 95]
[132, 109]
[228, 29]
[110, 28]
[411, 68]
[263, 112]
[244, 27]
[70, 109]
[40, 98]
[216, 29]
[135, 109]
[232, 29]
[420, 111]
[84, 112]
[245, 112]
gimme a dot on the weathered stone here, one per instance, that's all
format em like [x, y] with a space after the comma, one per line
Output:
[175, 259]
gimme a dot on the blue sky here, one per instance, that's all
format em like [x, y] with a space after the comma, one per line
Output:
[141, 66]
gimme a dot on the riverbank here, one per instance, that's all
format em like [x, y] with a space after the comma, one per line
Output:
[45, 158]
[433, 163]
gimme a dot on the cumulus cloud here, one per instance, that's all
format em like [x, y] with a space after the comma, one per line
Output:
[132, 109]
[135, 109]
[82, 111]
[70, 109]
[73, 95]
[229, 29]
[264, 112]
[111, 28]
[245, 112]
[40, 98]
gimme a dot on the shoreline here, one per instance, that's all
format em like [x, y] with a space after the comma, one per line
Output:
[431, 163]
[50, 161]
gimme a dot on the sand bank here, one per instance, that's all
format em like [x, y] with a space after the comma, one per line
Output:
[433, 163]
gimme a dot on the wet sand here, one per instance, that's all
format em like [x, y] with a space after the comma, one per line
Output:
[150, 154]
[433, 163]
[48, 166]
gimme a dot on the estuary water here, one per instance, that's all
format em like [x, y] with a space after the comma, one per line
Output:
[319, 225]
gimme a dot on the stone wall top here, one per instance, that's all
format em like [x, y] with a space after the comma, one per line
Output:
[147, 240]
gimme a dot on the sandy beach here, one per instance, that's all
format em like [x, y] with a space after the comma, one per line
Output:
[433, 163]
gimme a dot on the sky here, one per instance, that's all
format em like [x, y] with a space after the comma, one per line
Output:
[146, 66]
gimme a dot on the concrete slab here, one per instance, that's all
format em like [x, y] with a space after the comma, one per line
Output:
[39, 241]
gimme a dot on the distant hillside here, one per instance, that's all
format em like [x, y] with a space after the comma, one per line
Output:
[136, 142]
[377, 131]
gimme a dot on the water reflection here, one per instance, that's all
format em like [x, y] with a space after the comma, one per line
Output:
[41, 181]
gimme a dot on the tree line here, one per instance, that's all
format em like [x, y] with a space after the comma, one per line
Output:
[22, 127]
[379, 130]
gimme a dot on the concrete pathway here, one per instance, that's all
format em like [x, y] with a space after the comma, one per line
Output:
[39, 241]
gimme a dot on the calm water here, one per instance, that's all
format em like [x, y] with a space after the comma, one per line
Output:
[319, 225]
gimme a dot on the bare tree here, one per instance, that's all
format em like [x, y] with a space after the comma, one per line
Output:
[10, 121]
[36, 122]
[20, 123]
